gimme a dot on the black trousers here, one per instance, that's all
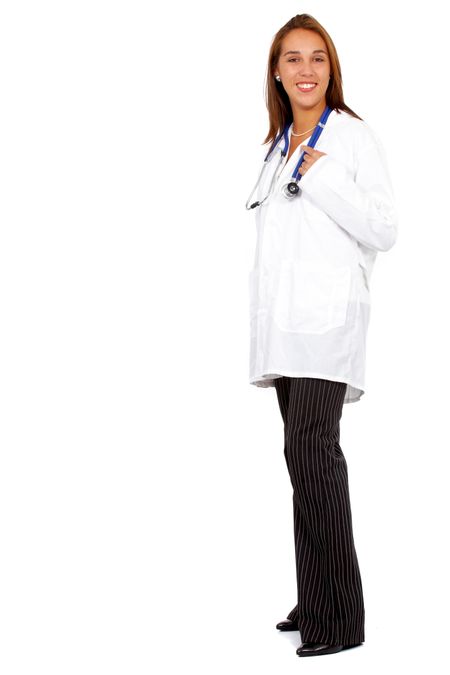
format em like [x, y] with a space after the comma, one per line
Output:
[330, 604]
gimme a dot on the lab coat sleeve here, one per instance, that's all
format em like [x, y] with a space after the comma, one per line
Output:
[363, 203]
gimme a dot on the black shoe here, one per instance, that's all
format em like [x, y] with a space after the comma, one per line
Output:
[317, 648]
[287, 625]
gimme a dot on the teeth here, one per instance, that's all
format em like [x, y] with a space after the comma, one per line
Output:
[305, 86]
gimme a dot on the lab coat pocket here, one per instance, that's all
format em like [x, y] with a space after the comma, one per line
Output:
[312, 297]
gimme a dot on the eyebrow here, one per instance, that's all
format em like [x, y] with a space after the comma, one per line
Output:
[292, 51]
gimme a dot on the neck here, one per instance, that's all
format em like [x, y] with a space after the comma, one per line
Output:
[305, 119]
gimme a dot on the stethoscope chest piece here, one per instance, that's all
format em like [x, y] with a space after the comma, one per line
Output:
[291, 189]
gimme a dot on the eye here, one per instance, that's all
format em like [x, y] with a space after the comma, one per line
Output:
[318, 58]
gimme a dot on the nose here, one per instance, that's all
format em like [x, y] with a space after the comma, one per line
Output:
[306, 73]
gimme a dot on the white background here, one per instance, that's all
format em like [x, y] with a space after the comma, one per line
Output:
[145, 507]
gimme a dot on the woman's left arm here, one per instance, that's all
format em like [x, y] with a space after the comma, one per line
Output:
[363, 206]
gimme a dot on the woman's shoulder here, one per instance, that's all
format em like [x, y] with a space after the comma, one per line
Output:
[356, 131]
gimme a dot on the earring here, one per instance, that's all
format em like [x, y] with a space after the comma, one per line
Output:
[277, 77]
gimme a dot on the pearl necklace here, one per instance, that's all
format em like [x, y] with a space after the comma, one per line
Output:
[303, 132]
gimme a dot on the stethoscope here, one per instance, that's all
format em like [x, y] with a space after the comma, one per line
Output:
[292, 188]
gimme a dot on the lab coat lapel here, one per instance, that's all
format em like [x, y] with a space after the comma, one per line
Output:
[288, 167]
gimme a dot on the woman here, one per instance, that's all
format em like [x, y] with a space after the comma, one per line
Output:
[317, 241]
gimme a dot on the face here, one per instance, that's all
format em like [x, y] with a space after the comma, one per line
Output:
[303, 63]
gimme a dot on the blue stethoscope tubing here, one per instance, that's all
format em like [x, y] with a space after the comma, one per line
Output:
[292, 188]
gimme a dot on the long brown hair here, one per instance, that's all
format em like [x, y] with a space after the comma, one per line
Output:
[277, 101]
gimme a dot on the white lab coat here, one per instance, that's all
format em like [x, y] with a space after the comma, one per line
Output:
[309, 288]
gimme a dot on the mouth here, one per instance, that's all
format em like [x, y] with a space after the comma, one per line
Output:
[306, 86]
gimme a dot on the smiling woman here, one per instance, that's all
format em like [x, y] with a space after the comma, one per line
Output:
[310, 306]
[302, 51]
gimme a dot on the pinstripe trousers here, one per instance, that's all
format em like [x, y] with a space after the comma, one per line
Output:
[330, 604]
